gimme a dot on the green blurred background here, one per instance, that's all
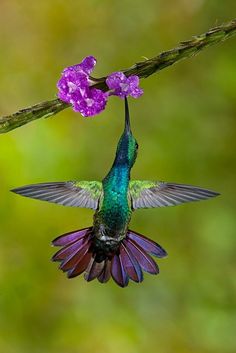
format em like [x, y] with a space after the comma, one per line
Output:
[185, 125]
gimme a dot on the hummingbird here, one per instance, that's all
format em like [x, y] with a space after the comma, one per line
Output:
[109, 248]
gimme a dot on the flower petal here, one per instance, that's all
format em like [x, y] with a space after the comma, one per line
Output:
[93, 102]
[114, 80]
[88, 63]
[133, 81]
[136, 93]
[122, 86]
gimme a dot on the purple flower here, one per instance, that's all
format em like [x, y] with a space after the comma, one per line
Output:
[70, 83]
[74, 87]
[87, 65]
[123, 86]
[92, 102]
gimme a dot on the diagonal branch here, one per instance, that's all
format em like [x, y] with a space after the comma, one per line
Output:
[142, 69]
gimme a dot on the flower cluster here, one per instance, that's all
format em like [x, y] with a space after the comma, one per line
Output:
[75, 88]
[124, 86]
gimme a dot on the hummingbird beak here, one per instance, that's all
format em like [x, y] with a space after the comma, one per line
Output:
[127, 118]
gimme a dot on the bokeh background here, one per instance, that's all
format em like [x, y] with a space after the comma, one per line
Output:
[186, 127]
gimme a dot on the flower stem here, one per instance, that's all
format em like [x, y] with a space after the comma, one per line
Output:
[24, 116]
[142, 69]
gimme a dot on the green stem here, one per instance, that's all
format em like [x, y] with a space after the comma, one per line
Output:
[24, 116]
[142, 69]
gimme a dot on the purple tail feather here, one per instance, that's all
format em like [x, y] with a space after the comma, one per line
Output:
[128, 263]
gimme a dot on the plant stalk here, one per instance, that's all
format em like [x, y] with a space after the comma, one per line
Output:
[142, 69]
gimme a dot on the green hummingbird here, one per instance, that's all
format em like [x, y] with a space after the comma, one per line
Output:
[109, 247]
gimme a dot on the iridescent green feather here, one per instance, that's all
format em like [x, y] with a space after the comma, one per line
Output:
[149, 194]
[70, 193]
[93, 187]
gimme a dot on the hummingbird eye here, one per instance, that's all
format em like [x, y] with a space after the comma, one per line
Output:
[136, 145]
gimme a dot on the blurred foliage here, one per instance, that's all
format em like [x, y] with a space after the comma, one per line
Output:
[185, 124]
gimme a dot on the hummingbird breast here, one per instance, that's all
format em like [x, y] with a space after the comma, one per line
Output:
[112, 219]
[115, 211]
[109, 230]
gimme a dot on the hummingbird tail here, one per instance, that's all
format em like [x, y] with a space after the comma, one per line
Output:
[133, 256]
[75, 254]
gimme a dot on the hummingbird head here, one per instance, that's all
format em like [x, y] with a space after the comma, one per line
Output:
[127, 148]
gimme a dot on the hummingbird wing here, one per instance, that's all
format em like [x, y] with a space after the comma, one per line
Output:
[150, 194]
[70, 193]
